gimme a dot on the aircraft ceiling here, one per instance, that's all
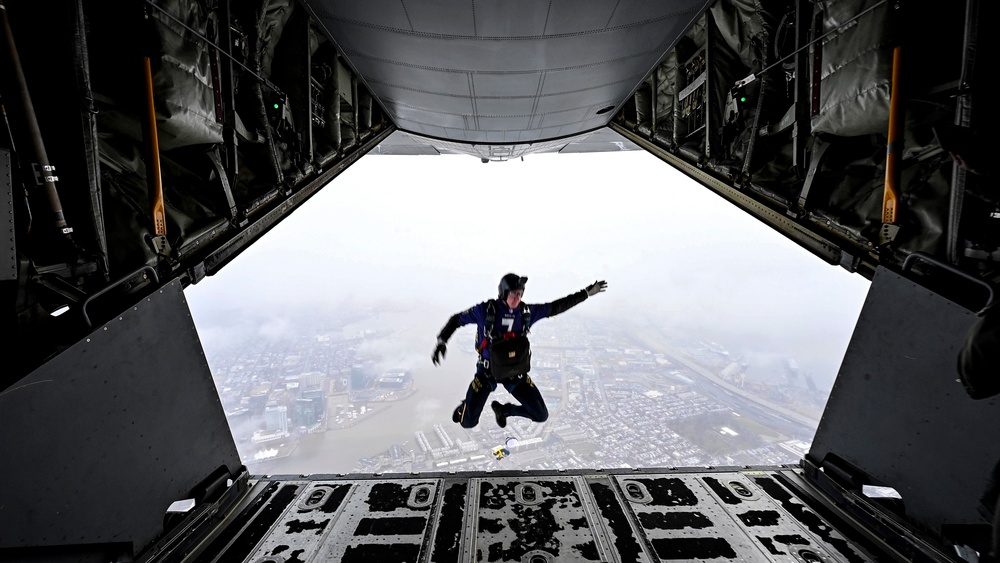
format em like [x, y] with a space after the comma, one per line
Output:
[467, 71]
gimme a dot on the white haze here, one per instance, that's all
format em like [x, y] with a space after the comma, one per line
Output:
[429, 236]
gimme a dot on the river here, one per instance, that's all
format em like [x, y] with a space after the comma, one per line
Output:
[439, 390]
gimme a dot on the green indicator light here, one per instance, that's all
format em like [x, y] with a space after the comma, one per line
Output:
[742, 99]
[275, 106]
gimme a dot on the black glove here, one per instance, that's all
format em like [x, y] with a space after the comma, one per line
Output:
[439, 352]
[596, 287]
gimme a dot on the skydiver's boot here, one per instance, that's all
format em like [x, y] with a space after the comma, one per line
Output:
[456, 416]
[498, 411]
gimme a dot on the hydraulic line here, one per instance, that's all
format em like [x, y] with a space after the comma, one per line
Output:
[45, 172]
[6, 123]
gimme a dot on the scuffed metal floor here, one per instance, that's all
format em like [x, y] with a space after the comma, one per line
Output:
[532, 517]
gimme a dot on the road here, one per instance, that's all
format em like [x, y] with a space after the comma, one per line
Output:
[708, 383]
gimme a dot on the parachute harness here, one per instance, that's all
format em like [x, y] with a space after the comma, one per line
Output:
[490, 328]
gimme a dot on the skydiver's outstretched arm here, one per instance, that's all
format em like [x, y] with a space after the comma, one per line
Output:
[574, 299]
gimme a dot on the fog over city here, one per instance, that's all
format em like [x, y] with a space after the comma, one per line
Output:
[397, 244]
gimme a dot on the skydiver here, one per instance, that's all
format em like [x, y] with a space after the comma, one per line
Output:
[979, 357]
[502, 326]
[979, 372]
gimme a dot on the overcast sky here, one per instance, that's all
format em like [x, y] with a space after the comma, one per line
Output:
[436, 233]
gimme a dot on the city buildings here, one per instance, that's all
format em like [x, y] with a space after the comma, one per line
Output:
[618, 399]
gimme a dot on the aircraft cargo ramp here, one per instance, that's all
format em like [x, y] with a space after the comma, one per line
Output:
[737, 514]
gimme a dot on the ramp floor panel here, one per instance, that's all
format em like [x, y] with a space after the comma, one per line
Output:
[534, 517]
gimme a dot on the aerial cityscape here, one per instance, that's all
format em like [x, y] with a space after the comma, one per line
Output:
[327, 401]
[698, 354]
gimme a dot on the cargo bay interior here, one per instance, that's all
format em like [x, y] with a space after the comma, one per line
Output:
[148, 143]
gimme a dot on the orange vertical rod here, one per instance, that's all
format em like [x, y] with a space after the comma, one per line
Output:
[894, 149]
[153, 179]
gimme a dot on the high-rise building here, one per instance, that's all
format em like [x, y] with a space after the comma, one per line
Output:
[360, 377]
[276, 419]
[307, 411]
[258, 402]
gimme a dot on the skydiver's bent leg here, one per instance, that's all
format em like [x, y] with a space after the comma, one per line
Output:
[532, 404]
[475, 400]
[990, 507]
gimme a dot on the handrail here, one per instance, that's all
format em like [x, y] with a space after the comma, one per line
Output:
[109, 287]
[908, 263]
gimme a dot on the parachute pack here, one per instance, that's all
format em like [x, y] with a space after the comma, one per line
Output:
[510, 355]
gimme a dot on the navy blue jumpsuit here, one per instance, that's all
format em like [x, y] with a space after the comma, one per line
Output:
[521, 387]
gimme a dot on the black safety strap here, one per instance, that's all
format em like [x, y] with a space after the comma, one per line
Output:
[491, 317]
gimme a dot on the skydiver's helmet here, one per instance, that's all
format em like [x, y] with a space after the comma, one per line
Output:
[509, 283]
